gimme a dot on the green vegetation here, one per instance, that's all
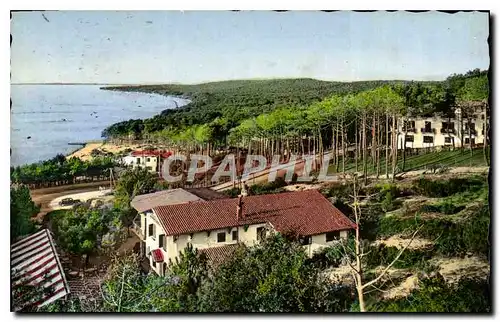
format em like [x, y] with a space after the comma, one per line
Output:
[259, 189]
[134, 182]
[445, 188]
[59, 170]
[22, 209]
[435, 295]
[306, 116]
[384, 255]
[230, 102]
[432, 162]
[272, 277]
[446, 208]
[465, 228]
[83, 230]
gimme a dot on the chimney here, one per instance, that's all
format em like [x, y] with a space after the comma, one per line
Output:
[244, 190]
[239, 208]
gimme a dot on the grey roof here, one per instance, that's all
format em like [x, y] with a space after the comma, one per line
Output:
[149, 201]
[207, 193]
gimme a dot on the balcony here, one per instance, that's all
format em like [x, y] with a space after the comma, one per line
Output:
[136, 228]
[446, 131]
[410, 130]
[424, 130]
[472, 132]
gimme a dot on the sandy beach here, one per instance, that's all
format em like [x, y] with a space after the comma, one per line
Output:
[84, 152]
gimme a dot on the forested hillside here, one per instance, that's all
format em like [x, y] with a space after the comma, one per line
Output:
[218, 107]
[233, 101]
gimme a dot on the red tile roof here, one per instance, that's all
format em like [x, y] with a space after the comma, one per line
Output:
[151, 153]
[305, 212]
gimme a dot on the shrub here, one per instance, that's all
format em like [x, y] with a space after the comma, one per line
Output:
[447, 208]
[445, 188]
[450, 237]
[330, 256]
[388, 189]
[435, 295]
[233, 192]
[268, 187]
[384, 255]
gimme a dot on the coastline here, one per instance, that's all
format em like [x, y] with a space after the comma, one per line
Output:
[84, 152]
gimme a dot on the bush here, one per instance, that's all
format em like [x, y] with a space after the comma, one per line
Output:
[447, 208]
[389, 203]
[268, 187]
[233, 192]
[330, 256]
[445, 188]
[384, 255]
[450, 237]
[435, 295]
[340, 192]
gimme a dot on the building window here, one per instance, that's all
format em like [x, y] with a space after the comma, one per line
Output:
[408, 125]
[428, 127]
[447, 127]
[428, 139]
[260, 233]
[148, 159]
[161, 240]
[330, 236]
[482, 116]
[151, 230]
[221, 237]
[447, 139]
[164, 269]
[471, 125]
[409, 138]
[149, 167]
[306, 240]
[235, 234]
[138, 161]
[154, 263]
[467, 141]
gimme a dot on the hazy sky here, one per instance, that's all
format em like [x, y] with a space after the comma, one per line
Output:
[190, 47]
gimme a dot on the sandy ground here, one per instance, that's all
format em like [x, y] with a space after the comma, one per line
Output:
[84, 153]
[454, 268]
[398, 242]
[452, 170]
[82, 196]
[403, 289]
[44, 196]
[303, 186]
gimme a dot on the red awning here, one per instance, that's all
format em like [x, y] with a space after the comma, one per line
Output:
[157, 255]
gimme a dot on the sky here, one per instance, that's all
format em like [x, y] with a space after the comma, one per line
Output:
[145, 47]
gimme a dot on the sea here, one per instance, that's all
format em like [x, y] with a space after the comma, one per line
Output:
[45, 118]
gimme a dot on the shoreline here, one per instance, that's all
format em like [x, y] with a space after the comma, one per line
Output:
[84, 153]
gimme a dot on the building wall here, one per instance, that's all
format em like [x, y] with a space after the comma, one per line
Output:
[152, 242]
[201, 240]
[319, 241]
[439, 139]
[143, 162]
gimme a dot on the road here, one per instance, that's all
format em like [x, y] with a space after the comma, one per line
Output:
[262, 176]
[44, 196]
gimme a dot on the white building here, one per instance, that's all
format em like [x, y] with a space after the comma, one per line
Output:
[438, 131]
[185, 219]
[151, 160]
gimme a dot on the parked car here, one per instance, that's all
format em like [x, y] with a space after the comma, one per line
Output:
[69, 202]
